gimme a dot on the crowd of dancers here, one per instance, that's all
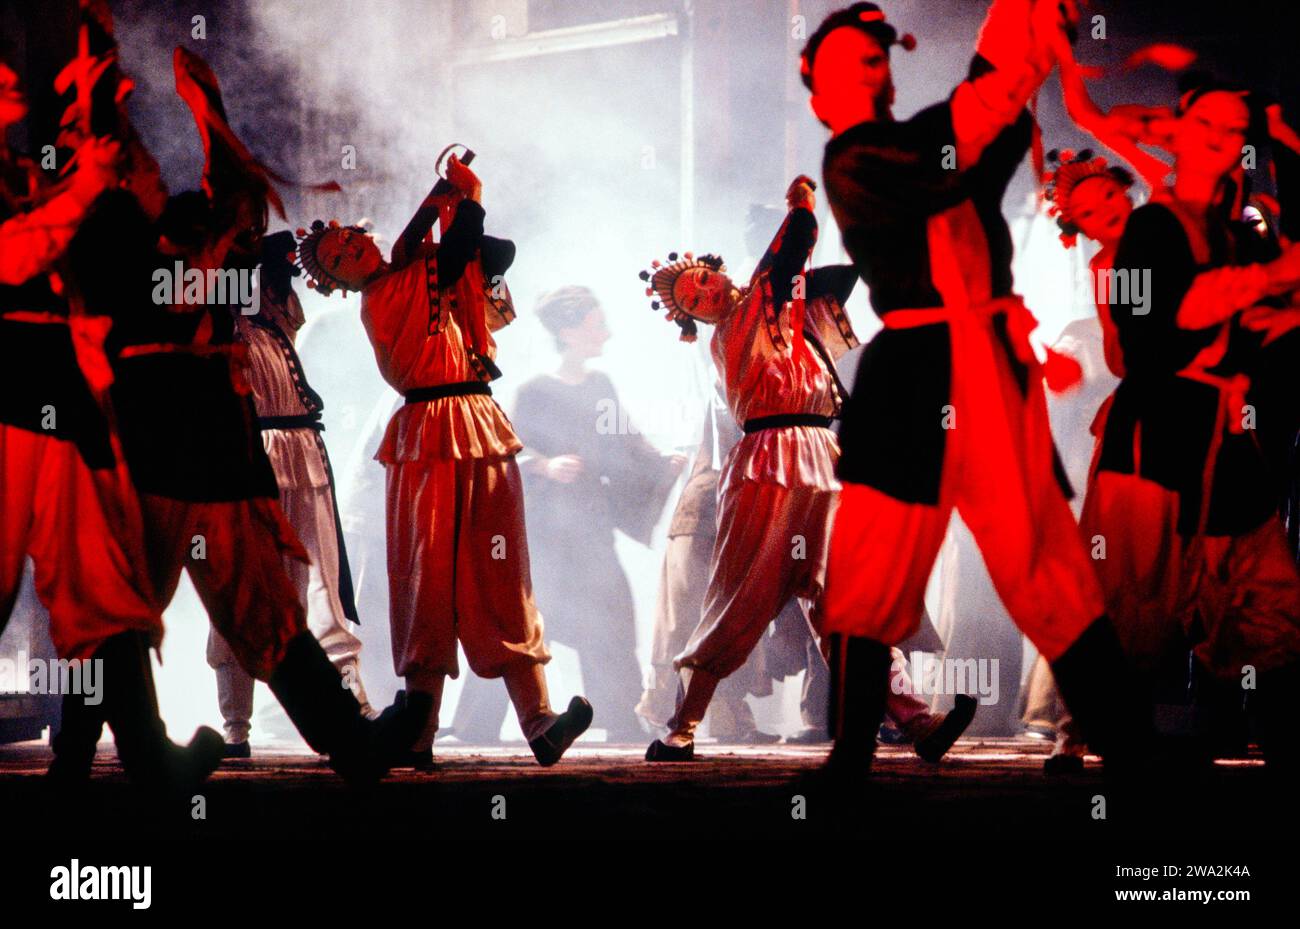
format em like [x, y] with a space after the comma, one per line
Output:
[147, 431]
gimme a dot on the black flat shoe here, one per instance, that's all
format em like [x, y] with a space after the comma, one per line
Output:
[421, 762]
[659, 751]
[1061, 765]
[201, 756]
[935, 745]
[891, 735]
[551, 745]
[399, 725]
[237, 750]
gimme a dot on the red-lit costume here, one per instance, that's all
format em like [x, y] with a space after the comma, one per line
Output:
[948, 406]
[181, 414]
[775, 352]
[67, 500]
[457, 548]
[180, 404]
[777, 490]
[948, 411]
[1181, 494]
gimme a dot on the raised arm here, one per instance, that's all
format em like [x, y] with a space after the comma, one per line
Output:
[417, 228]
[1015, 54]
[31, 242]
[461, 182]
[1219, 293]
[793, 243]
[1122, 128]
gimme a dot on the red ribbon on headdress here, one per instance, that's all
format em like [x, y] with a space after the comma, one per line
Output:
[197, 85]
[1164, 55]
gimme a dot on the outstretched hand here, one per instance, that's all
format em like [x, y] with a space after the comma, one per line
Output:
[98, 161]
[1017, 33]
[1052, 26]
[463, 179]
[563, 469]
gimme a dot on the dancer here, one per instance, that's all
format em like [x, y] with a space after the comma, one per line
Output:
[684, 578]
[1181, 492]
[948, 409]
[62, 480]
[775, 345]
[587, 472]
[1088, 197]
[289, 417]
[457, 549]
[207, 493]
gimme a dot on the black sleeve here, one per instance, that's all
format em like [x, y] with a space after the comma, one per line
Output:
[789, 252]
[883, 181]
[836, 281]
[884, 170]
[498, 256]
[460, 242]
[990, 177]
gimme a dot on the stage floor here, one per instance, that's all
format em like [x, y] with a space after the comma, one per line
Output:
[995, 786]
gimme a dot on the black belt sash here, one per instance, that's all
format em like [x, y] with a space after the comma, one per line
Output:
[785, 420]
[299, 421]
[439, 391]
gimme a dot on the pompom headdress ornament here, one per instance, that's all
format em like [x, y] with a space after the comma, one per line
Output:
[865, 17]
[1068, 170]
[661, 278]
[305, 257]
